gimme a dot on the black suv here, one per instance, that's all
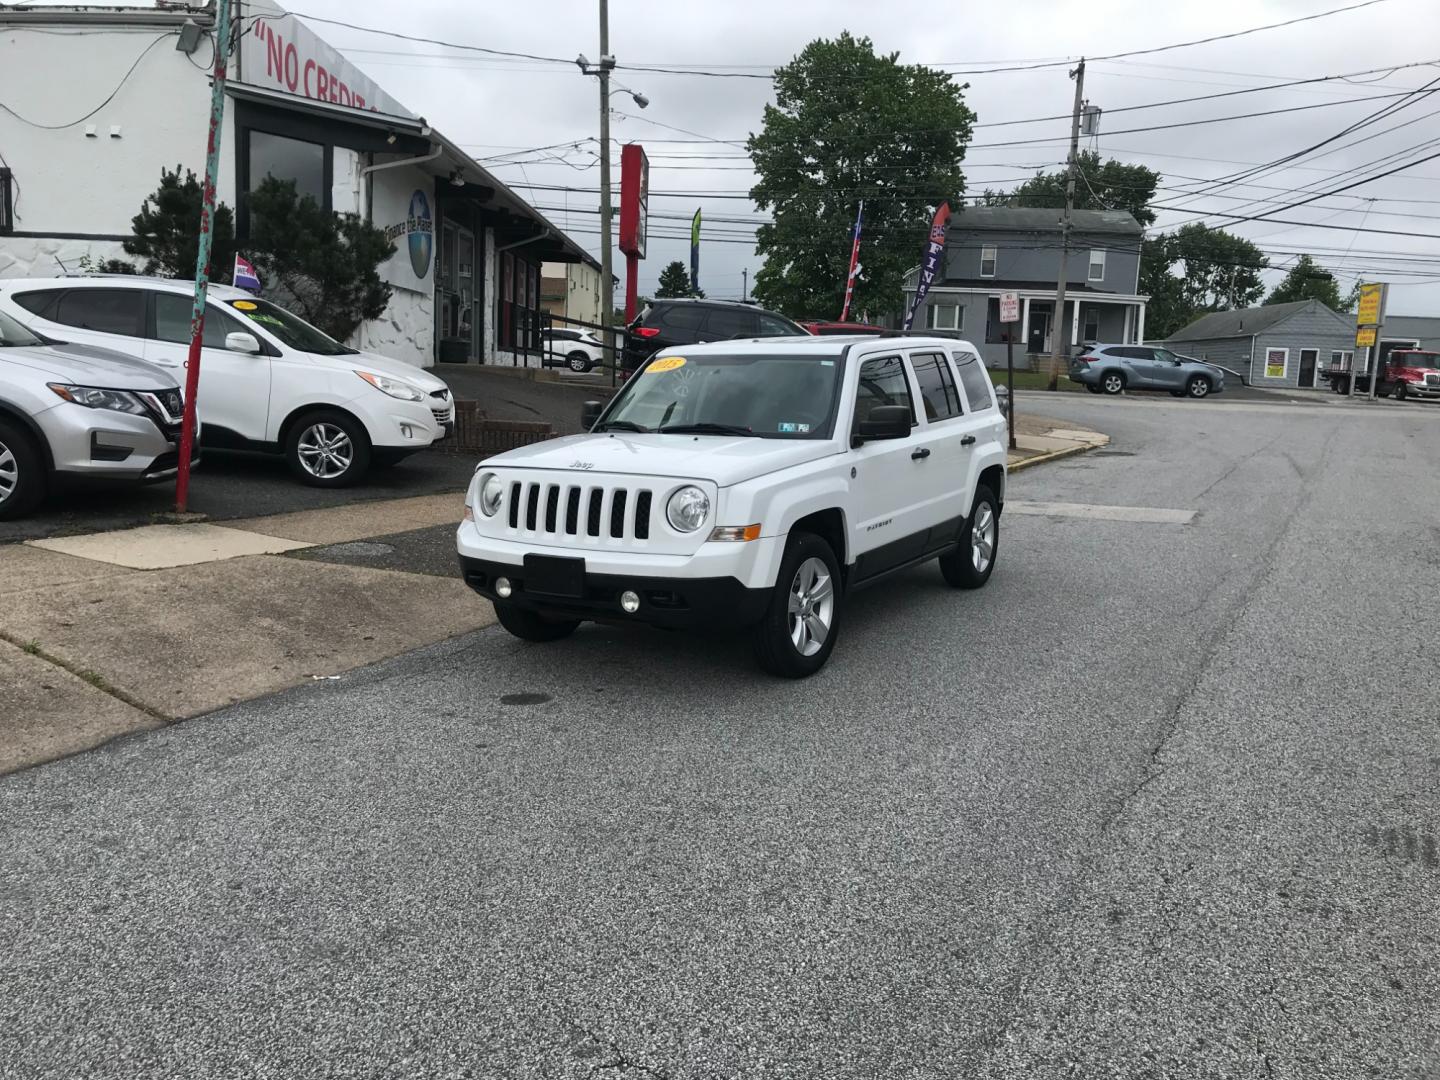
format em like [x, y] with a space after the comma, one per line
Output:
[665, 324]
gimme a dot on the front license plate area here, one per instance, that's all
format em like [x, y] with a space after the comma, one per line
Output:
[546, 575]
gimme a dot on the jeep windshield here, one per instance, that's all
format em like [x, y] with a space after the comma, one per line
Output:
[746, 394]
[289, 328]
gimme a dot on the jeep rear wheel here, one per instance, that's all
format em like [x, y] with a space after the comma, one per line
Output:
[797, 633]
[22, 472]
[969, 566]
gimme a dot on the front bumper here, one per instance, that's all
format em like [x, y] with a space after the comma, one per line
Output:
[111, 446]
[677, 603]
[1422, 390]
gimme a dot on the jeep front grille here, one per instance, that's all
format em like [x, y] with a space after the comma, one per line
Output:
[580, 510]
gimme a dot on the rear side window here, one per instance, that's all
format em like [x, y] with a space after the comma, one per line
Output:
[106, 311]
[41, 302]
[724, 325]
[882, 382]
[975, 381]
[681, 318]
[937, 386]
[172, 321]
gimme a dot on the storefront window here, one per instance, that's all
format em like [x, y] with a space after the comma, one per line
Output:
[289, 159]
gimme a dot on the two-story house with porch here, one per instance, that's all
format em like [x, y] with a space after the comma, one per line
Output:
[997, 249]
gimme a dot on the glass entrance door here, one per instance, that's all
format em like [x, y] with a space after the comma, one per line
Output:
[459, 304]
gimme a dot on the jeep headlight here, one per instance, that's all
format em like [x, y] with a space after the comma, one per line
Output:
[492, 492]
[688, 509]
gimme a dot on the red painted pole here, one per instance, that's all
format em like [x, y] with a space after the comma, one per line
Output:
[202, 259]
[632, 287]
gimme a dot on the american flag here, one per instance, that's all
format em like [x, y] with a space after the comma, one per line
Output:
[854, 264]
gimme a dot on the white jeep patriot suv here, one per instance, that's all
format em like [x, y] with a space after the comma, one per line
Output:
[747, 484]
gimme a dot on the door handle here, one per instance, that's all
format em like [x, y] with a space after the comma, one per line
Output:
[968, 440]
[921, 454]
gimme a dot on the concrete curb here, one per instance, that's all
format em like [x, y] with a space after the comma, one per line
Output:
[1054, 455]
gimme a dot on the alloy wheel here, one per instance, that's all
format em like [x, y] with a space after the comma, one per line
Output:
[812, 606]
[579, 363]
[1114, 384]
[1199, 388]
[9, 473]
[982, 538]
[325, 451]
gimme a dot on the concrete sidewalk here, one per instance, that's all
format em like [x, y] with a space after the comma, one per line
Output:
[110, 633]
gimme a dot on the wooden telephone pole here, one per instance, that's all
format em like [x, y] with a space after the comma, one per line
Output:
[1058, 324]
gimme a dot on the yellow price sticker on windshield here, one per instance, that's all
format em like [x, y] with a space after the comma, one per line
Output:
[668, 363]
[245, 305]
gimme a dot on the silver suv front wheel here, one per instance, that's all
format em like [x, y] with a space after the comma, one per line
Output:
[22, 471]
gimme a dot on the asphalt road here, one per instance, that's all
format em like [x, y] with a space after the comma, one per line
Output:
[1162, 801]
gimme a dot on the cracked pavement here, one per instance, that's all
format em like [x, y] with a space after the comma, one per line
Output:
[1160, 802]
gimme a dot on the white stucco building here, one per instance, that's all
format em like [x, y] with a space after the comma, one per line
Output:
[99, 100]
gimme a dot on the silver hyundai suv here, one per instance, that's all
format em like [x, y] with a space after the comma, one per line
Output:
[75, 412]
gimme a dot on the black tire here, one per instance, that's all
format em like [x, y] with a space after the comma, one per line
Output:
[958, 566]
[1093, 388]
[1402, 390]
[532, 626]
[22, 472]
[1198, 387]
[775, 649]
[1112, 382]
[308, 429]
[578, 362]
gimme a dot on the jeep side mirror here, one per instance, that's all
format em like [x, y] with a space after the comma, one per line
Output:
[590, 414]
[884, 422]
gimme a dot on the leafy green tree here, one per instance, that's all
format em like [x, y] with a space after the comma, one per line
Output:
[167, 231]
[675, 282]
[323, 266]
[849, 124]
[1307, 280]
[1195, 270]
[1101, 185]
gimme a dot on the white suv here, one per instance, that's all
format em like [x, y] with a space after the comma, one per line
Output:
[269, 381]
[747, 484]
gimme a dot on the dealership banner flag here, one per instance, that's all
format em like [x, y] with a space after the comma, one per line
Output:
[854, 264]
[930, 267]
[695, 252]
[245, 275]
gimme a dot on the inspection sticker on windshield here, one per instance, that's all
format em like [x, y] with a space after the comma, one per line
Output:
[668, 363]
[792, 429]
[244, 305]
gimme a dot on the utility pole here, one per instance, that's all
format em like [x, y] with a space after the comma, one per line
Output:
[1375, 349]
[202, 259]
[607, 288]
[1058, 323]
[745, 284]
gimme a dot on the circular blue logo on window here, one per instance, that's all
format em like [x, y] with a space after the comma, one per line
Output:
[421, 232]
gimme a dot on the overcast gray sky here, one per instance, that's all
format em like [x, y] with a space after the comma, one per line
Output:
[498, 107]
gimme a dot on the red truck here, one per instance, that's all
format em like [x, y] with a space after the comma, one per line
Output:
[1406, 373]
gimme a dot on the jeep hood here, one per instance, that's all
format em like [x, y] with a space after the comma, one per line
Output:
[723, 459]
[88, 365]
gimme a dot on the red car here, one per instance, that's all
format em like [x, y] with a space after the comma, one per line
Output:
[828, 328]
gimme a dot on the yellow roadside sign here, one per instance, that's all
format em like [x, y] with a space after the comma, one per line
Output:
[1368, 314]
[1365, 337]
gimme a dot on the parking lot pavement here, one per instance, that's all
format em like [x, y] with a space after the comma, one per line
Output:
[506, 396]
[1140, 808]
[229, 486]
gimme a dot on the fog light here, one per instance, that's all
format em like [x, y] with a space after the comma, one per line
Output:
[630, 602]
[405, 430]
[503, 588]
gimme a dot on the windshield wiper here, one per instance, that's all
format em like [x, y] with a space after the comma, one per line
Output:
[620, 425]
[705, 429]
